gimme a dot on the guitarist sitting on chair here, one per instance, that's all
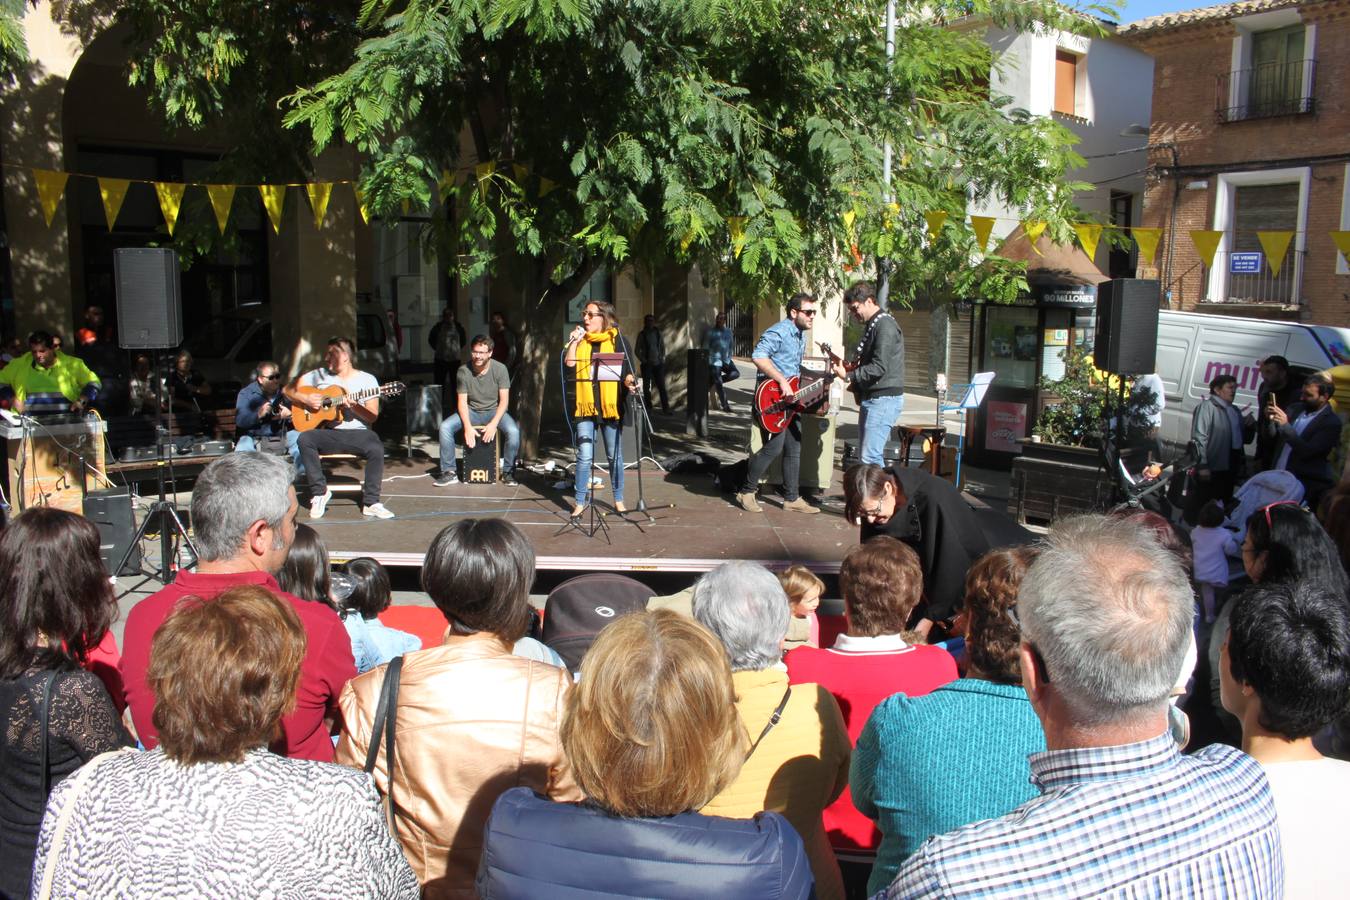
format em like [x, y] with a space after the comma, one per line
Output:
[778, 357]
[352, 432]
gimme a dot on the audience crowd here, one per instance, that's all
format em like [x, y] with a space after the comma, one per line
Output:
[263, 733]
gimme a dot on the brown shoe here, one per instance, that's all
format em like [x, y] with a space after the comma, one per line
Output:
[800, 505]
[747, 502]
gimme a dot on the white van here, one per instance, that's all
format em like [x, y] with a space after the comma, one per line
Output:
[1193, 348]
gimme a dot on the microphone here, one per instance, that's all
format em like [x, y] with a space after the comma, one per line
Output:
[574, 336]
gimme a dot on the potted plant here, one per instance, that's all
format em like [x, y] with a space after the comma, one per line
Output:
[1065, 471]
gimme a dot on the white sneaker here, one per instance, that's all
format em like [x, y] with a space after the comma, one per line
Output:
[319, 505]
[377, 511]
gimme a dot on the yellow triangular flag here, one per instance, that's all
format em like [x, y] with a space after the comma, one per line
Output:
[546, 186]
[1089, 234]
[50, 186]
[274, 200]
[484, 171]
[1146, 239]
[736, 225]
[983, 226]
[849, 217]
[222, 198]
[361, 202]
[1276, 244]
[1033, 231]
[1206, 244]
[934, 219]
[1342, 241]
[521, 172]
[319, 192]
[113, 191]
[170, 201]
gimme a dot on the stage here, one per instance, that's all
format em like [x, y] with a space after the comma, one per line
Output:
[702, 528]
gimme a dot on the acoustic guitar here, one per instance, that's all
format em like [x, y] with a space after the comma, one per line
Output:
[330, 413]
[775, 410]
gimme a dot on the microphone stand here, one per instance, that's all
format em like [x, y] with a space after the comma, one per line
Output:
[597, 519]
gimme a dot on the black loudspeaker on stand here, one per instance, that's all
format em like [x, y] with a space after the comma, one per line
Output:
[1127, 327]
[150, 317]
[110, 511]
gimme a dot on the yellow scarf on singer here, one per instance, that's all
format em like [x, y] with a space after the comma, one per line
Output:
[597, 342]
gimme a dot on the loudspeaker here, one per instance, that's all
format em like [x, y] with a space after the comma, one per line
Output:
[149, 302]
[1127, 326]
[696, 397]
[111, 511]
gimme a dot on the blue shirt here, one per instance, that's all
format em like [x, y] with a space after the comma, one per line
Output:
[926, 765]
[251, 399]
[719, 346]
[1134, 820]
[782, 344]
[374, 643]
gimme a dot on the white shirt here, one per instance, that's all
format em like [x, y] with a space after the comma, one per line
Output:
[356, 380]
[1311, 797]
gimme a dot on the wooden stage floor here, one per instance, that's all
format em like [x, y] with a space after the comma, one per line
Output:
[701, 530]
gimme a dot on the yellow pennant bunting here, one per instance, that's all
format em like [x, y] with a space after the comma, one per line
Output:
[736, 225]
[1147, 241]
[170, 195]
[222, 198]
[113, 191]
[1089, 234]
[849, 217]
[1206, 244]
[50, 186]
[361, 202]
[318, 200]
[483, 172]
[1276, 245]
[1342, 241]
[934, 219]
[274, 201]
[1033, 230]
[983, 226]
[546, 186]
[521, 172]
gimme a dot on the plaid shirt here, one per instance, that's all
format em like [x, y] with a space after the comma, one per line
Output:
[1137, 820]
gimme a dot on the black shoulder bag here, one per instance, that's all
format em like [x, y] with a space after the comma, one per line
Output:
[386, 713]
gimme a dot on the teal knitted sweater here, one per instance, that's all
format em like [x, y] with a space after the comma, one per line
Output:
[926, 765]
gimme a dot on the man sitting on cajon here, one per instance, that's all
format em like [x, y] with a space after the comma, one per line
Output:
[482, 392]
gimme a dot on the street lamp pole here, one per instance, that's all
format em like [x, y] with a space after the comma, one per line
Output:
[887, 155]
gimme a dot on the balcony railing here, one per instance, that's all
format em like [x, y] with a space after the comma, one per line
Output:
[1255, 287]
[1263, 92]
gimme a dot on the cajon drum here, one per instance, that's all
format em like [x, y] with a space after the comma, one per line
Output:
[482, 463]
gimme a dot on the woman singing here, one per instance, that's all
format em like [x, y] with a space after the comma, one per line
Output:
[598, 404]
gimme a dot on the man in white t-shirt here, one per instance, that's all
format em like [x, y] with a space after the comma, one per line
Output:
[351, 434]
[1285, 673]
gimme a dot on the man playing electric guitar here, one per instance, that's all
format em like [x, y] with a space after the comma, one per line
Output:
[879, 371]
[350, 435]
[778, 356]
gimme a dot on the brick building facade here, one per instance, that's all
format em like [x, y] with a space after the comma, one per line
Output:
[1250, 132]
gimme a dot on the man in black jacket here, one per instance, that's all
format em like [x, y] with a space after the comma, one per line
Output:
[1277, 388]
[1305, 437]
[651, 353]
[878, 379]
[447, 342]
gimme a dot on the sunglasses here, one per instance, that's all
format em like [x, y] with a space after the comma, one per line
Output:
[273, 377]
[807, 312]
[590, 315]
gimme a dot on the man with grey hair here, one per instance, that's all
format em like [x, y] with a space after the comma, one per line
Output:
[1105, 614]
[243, 518]
[799, 755]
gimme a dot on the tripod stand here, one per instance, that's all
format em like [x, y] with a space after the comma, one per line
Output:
[163, 510]
[641, 421]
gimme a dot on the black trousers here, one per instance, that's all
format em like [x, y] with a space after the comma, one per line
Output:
[655, 374]
[787, 443]
[358, 441]
[444, 375]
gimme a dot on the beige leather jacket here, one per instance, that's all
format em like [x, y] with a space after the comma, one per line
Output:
[473, 720]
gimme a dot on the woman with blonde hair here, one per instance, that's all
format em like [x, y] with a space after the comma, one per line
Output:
[601, 405]
[653, 734]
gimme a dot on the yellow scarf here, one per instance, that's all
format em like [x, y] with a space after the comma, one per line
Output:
[597, 342]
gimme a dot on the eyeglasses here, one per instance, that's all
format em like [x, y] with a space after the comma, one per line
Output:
[871, 512]
[807, 312]
[587, 314]
[273, 377]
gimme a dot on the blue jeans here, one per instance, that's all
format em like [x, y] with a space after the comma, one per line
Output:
[876, 417]
[451, 427]
[247, 444]
[610, 430]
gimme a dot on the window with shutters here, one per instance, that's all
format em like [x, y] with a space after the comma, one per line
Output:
[1248, 204]
[1066, 83]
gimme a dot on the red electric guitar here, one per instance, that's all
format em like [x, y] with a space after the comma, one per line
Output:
[774, 411]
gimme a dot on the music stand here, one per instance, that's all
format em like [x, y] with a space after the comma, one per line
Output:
[971, 399]
[604, 367]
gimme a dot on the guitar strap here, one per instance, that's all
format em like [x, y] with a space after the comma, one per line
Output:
[864, 345]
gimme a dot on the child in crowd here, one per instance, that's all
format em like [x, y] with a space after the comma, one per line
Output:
[803, 591]
[373, 643]
[1211, 545]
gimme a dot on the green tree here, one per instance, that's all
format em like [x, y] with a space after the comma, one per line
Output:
[741, 135]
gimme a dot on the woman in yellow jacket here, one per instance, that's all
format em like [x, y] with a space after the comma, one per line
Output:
[799, 756]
